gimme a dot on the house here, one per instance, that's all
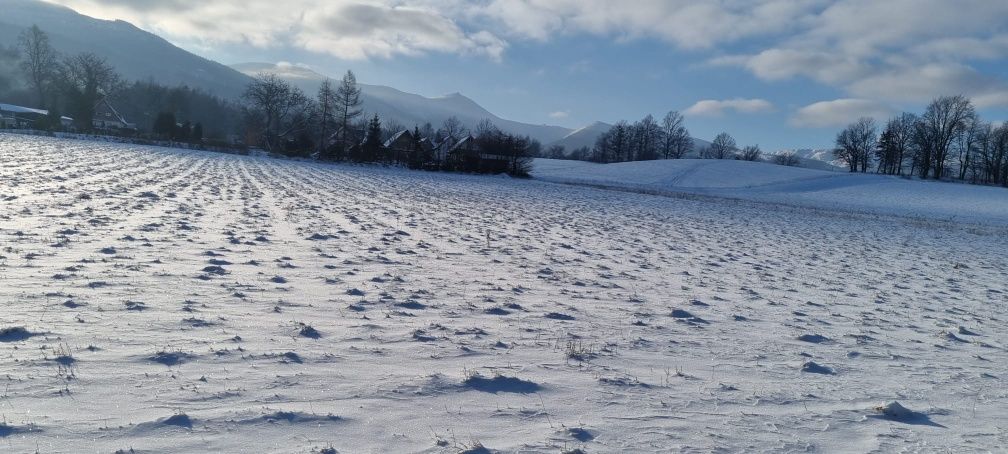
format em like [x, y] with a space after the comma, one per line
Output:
[7, 119]
[427, 151]
[463, 155]
[12, 116]
[469, 155]
[441, 148]
[106, 117]
[399, 147]
[473, 155]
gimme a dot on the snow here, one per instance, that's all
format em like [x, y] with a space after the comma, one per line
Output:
[765, 182]
[19, 109]
[167, 300]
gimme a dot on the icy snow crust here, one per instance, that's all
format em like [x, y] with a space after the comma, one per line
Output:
[175, 301]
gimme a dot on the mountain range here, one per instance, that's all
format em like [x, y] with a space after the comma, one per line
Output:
[408, 109]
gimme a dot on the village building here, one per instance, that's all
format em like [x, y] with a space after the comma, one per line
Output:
[18, 117]
[399, 147]
[106, 117]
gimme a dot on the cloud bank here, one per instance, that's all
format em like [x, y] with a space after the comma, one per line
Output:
[717, 108]
[892, 51]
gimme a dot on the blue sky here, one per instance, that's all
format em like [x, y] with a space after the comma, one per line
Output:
[779, 73]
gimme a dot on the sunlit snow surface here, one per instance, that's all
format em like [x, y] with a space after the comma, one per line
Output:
[175, 301]
[837, 191]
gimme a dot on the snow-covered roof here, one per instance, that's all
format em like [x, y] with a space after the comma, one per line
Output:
[114, 112]
[12, 109]
[20, 109]
[465, 140]
[395, 137]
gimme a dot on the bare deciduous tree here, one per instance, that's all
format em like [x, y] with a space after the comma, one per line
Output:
[966, 143]
[87, 79]
[855, 143]
[750, 153]
[895, 143]
[676, 141]
[943, 120]
[484, 127]
[452, 128]
[39, 64]
[645, 139]
[723, 147]
[283, 107]
[786, 158]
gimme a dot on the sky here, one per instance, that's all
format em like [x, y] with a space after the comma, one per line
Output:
[778, 73]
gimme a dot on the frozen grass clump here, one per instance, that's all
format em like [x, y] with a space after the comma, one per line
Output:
[500, 384]
[170, 357]
[15, 334]
[306, 330]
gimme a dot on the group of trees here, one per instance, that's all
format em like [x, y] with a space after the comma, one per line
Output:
[71, 84]
[949, 140]
[289, 121]
[166, 127]
[513, 153]
[643, 140]
[649, 139]
[147, 102]
[332, 126]
[34, 74]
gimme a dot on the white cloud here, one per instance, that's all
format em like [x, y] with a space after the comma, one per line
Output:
[343, 28]
[685, 23]
[894, 50]
[716, 108]
[560, 114]
[839, 112]
[928, 81]
[782, 64]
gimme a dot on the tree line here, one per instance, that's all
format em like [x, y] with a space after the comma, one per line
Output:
[332, 126]
[948, 141]
[649, 139]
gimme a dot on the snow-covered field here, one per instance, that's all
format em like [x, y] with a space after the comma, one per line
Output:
[838, 191]
[174, 301]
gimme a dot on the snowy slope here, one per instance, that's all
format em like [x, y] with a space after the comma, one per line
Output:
[160, 300]
[583, 137]
[791, 185]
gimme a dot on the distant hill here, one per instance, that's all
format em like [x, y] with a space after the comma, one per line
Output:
[408, 108]
[583, 137]
[822, 159]
[136, 54]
